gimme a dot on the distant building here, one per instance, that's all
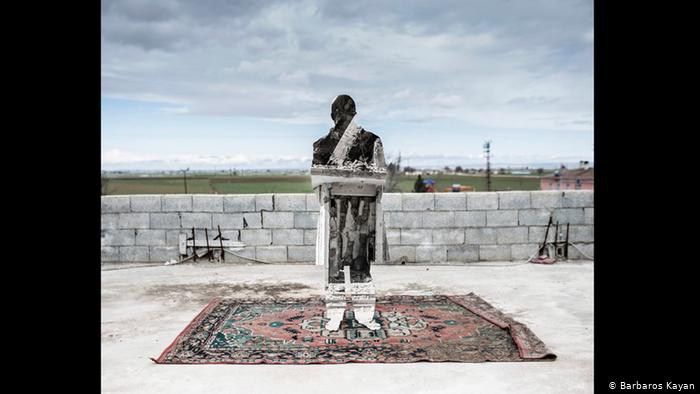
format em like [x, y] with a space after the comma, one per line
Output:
[565, 179]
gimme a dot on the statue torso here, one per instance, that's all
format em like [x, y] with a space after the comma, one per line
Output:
[362, 149]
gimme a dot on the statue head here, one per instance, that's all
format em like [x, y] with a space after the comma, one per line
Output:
[343, 109]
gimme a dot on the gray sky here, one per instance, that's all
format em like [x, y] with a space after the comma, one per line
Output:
[248, 84]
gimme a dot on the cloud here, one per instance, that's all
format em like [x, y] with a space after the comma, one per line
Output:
[286, 60]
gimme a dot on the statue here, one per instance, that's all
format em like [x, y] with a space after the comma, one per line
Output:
[348, 173]
[359, 148]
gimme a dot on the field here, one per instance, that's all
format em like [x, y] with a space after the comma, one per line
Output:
[274, 183]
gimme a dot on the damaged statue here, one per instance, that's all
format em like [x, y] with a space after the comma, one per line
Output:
[348, 173]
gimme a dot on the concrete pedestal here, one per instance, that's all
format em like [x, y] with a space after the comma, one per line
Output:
[350, 237]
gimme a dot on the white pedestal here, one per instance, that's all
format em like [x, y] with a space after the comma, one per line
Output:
[360, 294]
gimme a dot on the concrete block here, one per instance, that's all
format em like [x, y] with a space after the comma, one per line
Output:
[312, 203]
[256, 237]
[588, 215]
[310, 237]
[239, 203]
[150, 237]
[393, 236]
[252, 220]
[290, 202]
[278, 219]
[263, 202]
[172, 237]
[482, 201]
[197, 220]
[453, 236]
[511, 235]
[303, 254]
[110, 254]
[581, 234]
[118, 237]
[133, 220]
[533, 217]
[163, 253]
[231, 234]
[133, 253]
[502, 218]
[546, 199]
[405, 220]
[470, 219]
[569, 215]
[450, 201]
[434, 219]
[391, 201]
[207, 203]
[145, 203]
[463, 253]
[287, 236]
[165, 220]
[494, 253]
[478, 236]
[176, 203]
[522, 251]
[514, 200]
[115, 204]
[418, 201]
[587, 248]
[242, 255]
[431, 254]
[386, 220]
[307, 220]
[227, 220]
[536, 234]
[109, 221]
[273, 254]
[415, 237]
[577, 199]
[399, 253]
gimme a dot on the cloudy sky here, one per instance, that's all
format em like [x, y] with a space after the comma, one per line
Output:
[248, 84]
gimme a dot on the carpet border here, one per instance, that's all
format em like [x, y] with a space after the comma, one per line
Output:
[525, 340]
[200, 315]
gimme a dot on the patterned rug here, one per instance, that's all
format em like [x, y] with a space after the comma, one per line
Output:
[461, 328]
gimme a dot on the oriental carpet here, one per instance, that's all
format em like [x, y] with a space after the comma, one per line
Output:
[462, 328]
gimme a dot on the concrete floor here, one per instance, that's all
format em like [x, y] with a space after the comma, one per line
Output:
[145, 308]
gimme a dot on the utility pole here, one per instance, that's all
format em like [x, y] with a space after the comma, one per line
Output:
[487, 150]
[184, 173]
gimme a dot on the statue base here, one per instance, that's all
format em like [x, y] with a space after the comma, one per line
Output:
[350, 239]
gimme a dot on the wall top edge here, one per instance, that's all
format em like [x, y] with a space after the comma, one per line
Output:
[306, 194]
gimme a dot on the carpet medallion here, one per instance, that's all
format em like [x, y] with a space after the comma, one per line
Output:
[461, 328]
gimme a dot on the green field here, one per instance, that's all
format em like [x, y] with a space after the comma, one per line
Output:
[269, 183]
[498, 182]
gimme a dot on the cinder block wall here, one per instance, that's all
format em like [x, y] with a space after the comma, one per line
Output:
[424, 228]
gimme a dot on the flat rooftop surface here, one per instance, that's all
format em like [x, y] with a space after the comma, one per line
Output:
[145, 308]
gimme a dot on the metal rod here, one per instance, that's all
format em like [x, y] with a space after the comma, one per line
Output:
[194, 245]
[566, 246]
[206, 237]
[221, 242]
[546, 234]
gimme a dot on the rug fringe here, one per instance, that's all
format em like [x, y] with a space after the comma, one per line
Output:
[201, 314]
